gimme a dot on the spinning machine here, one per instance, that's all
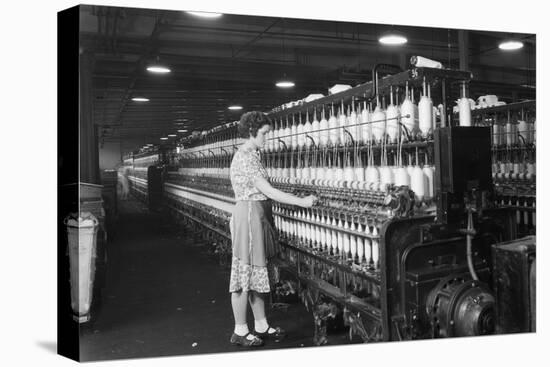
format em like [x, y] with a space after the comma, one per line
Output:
[414, 204]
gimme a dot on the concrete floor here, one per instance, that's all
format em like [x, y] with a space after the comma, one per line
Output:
[164, 295]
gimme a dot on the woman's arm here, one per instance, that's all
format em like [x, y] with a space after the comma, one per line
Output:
[265, 187]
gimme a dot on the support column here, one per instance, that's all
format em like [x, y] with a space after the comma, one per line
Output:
[463, 50]
[89, 152]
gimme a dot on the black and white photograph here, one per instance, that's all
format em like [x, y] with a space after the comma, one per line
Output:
[252, 182]
[280, 185]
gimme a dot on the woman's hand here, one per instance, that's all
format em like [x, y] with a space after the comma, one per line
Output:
[265, 187]
[308, 201]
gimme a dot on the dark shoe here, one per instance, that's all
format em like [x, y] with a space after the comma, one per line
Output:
[276, 335]
[243, 341]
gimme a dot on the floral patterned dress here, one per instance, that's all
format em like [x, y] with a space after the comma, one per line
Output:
[251, 224]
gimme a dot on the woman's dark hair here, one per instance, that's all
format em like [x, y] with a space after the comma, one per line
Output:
[251, 122]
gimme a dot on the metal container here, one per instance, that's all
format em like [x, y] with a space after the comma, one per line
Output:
[82, 235]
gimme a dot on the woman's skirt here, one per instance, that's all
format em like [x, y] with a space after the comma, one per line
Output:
[254, 240]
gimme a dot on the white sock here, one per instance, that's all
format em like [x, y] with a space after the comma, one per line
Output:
[261, 326]
[241, 329]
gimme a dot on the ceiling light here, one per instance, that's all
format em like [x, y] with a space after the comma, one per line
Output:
[164, 138]
[235, 107]
[172, 135]
[140, 99]
[158, 69]
[182, 131]
[510, 45]
[285, 83]
[392, 38]
[205, 14]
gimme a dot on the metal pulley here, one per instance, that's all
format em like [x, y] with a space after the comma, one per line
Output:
[401, 201]
[459, 306]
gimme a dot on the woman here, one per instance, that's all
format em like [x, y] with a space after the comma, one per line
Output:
[253, 233]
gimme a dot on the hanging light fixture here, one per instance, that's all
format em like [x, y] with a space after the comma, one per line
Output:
[392, 38]
[235, 107]
[284, 82]
[205, 14]
[140, 99]
[172, 135]
[164, 138]
[182, 131]
[510, 45]
[158, 68]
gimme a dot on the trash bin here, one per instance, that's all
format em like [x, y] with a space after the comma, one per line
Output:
[82, 236]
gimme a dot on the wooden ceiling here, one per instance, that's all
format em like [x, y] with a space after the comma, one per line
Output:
[236, 59]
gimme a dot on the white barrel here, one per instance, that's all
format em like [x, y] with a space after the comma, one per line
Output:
[307, 131]
[278, 134]
[306, 173]
[294, 137]
[425, 115]
[269, 144]
[342, 123]
[320, 174]
[372, 175]
[368, 250]
[523, 130]
[531, 132]
[375, 253]
[366, 131]
[511, 134]
[353, 246]
[495, 131]
[286, 136]
[334, 238]
[349, 174]
[360, 249]
[378, 128]
[339, 177]
[418, 183]
[81, 239]
[301, 138]
[408, 109]
[359, 173]
[429, 174]
[315, 129]
[392, 113]
[386, 175]
[347, 240]
[401, 177]
[333, 134]
[352, 125]
[292, 172]
[340, 238]
[464, 112]
[286, 172]
[323, 132]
